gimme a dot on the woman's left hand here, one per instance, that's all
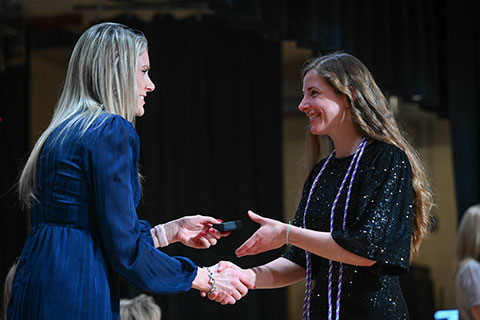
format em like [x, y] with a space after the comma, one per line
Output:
[194, 231]
[271, 235]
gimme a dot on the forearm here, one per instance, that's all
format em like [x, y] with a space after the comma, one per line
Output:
[277, 273]
[322, 244]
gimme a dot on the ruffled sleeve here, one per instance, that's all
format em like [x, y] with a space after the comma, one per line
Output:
[382, 228]
[129, 247]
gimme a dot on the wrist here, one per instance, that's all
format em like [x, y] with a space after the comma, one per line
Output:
[252, 275]
[159, 236]
[202, 281]
[171, 230]
[287, 233]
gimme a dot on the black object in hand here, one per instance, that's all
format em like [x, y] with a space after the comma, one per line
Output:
[228, 226]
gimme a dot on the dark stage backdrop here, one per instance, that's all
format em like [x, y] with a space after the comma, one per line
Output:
[211, 144]
[463, 67]
[14, 142]
[424, 51]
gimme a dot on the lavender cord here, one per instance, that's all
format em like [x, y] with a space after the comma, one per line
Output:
[308, 281]
[347, 201]
[332, 219]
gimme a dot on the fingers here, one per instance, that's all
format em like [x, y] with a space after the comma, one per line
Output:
[220, 297]
[247, 281]
[207, 220]
[211, 239]
[225, 234]
[246, 248]
[222, 265]
[211, 235]
[241, 291]
[202, 241]
[228, 300]
[225, 297]
[208, 238]
[255, 217]
[215, 233]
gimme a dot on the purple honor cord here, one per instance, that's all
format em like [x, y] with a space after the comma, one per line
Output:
[308, 281]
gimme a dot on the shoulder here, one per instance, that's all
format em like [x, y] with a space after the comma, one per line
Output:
[107, 125]
[379, 154]
[468, 266]
[107, 122]
[467, 278]
[109, 130]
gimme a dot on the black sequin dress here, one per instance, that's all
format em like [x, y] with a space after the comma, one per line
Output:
[378, 227]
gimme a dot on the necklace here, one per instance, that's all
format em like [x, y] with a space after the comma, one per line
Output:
[308, 281]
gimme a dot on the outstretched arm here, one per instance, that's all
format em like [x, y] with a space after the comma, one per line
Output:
[272, 234]
[275, 274]
[278, 273]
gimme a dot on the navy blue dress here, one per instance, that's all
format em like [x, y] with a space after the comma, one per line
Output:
[85, 231]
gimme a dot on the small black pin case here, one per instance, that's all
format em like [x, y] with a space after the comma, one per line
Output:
[228, 226]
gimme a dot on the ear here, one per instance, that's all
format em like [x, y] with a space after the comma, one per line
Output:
[354, 95]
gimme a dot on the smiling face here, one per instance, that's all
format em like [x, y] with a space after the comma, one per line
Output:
[144, 83]
[327, 110]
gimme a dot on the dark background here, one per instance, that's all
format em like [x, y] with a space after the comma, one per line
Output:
[211, 137]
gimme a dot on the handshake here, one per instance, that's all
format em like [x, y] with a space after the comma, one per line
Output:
[227, 283]
[223, 282]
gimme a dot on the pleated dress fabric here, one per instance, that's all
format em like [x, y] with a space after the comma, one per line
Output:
[378, 227]
[85, 231]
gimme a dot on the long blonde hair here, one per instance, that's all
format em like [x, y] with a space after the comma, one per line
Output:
[468, 236]
[7, 289]
[101, 77]
[375, 119]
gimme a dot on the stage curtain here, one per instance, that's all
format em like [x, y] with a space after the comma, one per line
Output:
[211, 144]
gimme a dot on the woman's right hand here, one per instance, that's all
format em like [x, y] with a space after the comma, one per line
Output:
[232, 282]
[271, 235]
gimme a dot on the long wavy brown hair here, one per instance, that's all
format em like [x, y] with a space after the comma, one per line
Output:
[374, 117]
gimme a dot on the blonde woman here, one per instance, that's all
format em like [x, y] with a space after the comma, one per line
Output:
[364, 209]
[82, 183]
[467, 276]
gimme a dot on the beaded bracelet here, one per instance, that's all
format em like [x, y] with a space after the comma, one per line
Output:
[211, 281]
[288, 230]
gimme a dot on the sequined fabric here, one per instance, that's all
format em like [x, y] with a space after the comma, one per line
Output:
[378, 227]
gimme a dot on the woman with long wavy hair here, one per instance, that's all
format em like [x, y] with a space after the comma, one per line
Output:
[364, 209]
